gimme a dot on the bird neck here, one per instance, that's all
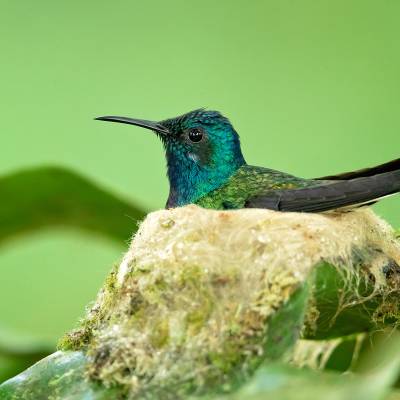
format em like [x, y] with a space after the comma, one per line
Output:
[189, 180]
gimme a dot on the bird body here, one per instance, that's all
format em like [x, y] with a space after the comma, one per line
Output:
[248, 182]
[205, 166]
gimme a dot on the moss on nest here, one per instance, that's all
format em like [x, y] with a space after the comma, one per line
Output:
[192, 300]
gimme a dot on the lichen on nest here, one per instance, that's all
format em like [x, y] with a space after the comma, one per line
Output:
[190, 302]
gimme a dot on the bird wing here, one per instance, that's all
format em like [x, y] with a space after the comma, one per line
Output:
[379, 169]
[329, 195]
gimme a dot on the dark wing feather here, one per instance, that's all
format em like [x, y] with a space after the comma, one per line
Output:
[329, 196]
[379, 169]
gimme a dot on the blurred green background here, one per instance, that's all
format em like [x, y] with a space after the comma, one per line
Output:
[311, 86]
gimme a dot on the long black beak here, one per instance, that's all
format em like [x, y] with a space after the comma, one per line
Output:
[154, 126]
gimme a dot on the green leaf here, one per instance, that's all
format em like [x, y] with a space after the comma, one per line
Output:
[14, 361]
[283, 382]
[50, 196]
[58, 376]
[19, 353]
[285, 325]
[336, 319]
[55, 197]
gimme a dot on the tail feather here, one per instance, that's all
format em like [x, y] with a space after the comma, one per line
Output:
[390, 166]
[331, 195]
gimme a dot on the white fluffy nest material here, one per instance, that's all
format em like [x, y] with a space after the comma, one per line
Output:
[193, 294]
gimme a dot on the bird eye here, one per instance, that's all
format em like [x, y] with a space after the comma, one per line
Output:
[195, 135]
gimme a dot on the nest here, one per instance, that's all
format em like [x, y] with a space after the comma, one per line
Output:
[191, 301]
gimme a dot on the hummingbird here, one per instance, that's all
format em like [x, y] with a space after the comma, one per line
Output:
[205, 166]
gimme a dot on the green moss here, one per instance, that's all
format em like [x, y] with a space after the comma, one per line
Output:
[77, 339]
[160, 335]
[196, 319]
[388, 312]
[229, 356]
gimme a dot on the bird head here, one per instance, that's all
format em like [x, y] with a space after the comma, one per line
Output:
[199, 137]
[202, 147]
